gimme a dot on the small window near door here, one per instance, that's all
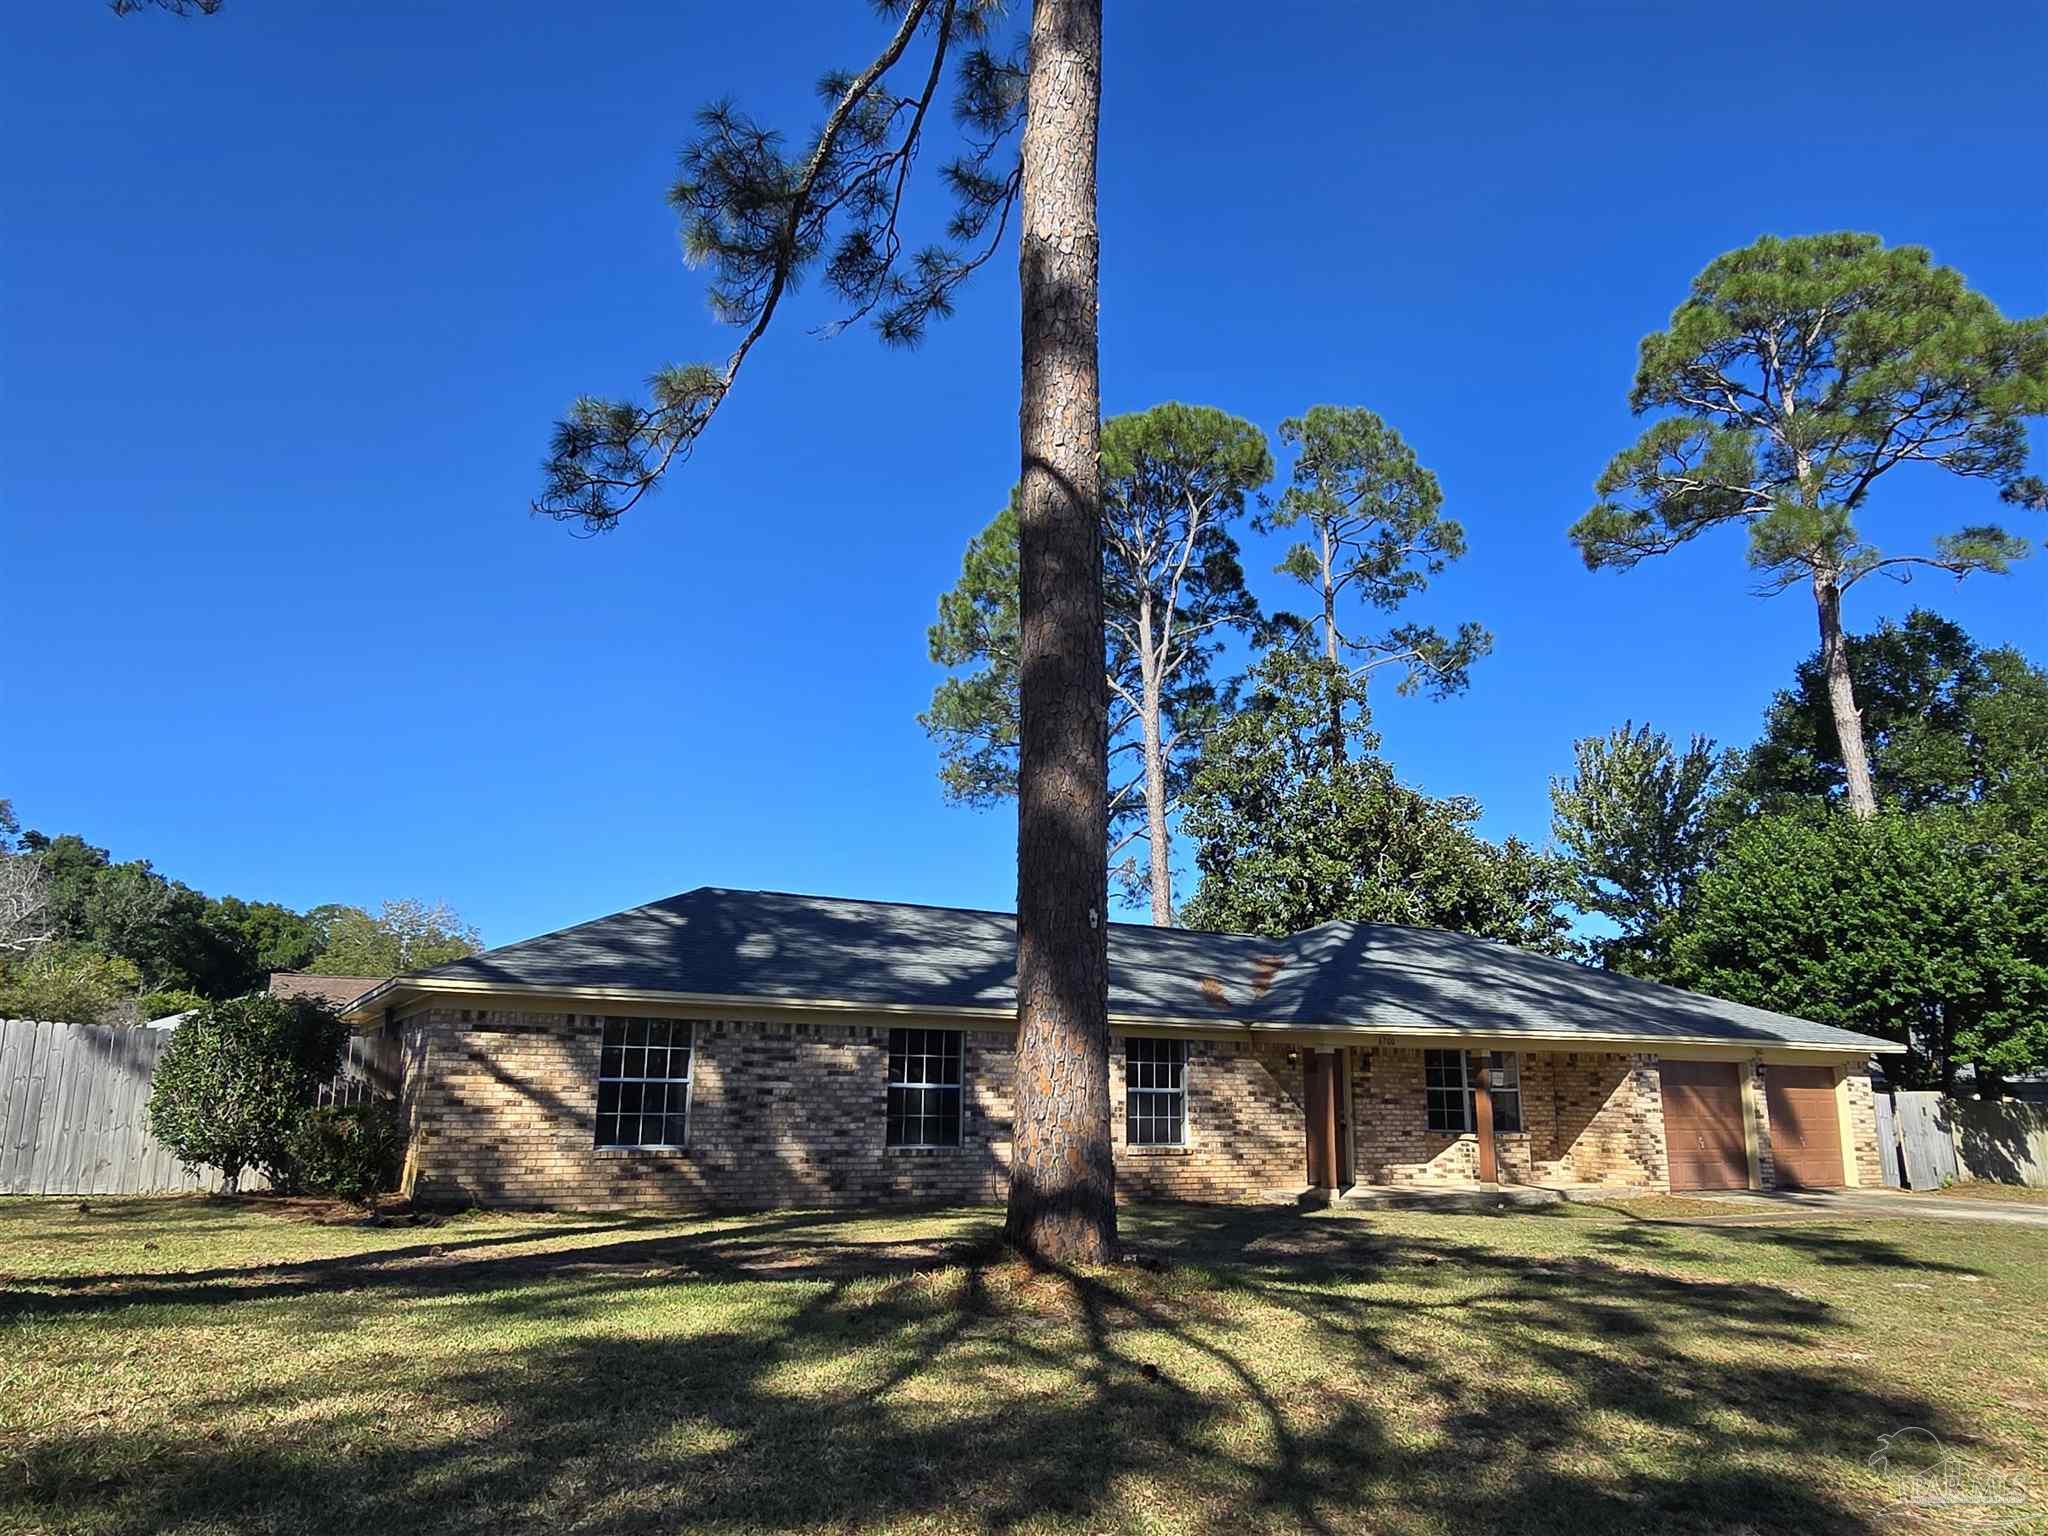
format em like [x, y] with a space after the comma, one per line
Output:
[1448, 1095]
[1504, 1083]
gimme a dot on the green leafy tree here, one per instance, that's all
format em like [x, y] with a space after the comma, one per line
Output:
[171, 934]
[1796, 376]
[1947, 722]
[236, 1080]
[1637, 823]
[1374, 534]
[166, 1002]
[267, 937]
[403, 937]
[1292, 829]
[1174, 480]
[761, 219]
[1930, 929]
[71, 984]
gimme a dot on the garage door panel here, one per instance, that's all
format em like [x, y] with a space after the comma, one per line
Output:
[1806, 1135]
[1704, 1144]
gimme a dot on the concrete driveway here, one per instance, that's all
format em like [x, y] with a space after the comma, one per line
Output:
[1895, 1203]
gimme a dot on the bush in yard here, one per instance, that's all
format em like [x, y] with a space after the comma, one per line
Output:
[351, 1150]
[237, 1078]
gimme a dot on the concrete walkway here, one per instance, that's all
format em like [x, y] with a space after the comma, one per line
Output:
[1895, 1203]
[1470, 1197]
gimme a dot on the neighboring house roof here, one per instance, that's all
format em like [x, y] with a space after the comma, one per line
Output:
[774, 948]
[338, 991]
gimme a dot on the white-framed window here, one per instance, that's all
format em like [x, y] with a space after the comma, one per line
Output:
[643, 1082]
[924, 1088]
[1447, 1096]
[1155, 1093]
[1504, 1084]
[1451, 1095]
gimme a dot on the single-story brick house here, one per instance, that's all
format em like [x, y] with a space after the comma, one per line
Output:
[751, 1049]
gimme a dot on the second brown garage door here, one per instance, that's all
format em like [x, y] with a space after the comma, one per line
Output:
[1806, 1137]
[1703, 1125]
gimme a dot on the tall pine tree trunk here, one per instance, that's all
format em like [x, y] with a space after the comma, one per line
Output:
[1062, 1179]
[1330, 651]
[1151, 738]
[1834, 657]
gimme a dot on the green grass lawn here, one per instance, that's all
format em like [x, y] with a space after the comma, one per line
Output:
[193, 1365]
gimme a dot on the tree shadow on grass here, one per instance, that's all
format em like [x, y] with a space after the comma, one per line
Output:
[1277, 1373]
[1832, 1244]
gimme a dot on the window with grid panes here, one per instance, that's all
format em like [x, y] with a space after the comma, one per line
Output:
[1155, 1093]
[643, 1083]
[924, 1088]
[1448, 1096]
[1504, 1082]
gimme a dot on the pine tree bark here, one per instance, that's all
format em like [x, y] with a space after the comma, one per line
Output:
[1834, 655]
[1062, 1179]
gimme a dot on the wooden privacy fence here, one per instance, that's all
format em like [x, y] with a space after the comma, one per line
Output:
[2003, 1139]
[1926, 1141]
[74, 1109]
[73, 1121]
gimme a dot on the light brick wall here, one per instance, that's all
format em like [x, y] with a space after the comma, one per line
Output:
[1760, 1126]
[1247, 1131]
[1863, 1128]
[503, 1111]
[1587, 1118]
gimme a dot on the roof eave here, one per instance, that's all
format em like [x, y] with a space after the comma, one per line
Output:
[401, 991]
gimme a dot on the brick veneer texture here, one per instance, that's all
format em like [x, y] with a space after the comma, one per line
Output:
[1760, 1126]
[1863, 1128]
[502, 1109]
[1587, 1118]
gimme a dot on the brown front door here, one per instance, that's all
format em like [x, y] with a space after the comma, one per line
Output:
[1703, 1125]
[1806, 1137]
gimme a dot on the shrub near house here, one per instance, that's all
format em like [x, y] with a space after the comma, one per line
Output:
[237, 1080]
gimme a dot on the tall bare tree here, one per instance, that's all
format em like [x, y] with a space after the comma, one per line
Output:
[1796, 375]
[1174, 480]
[1177, 475]
[27, 917]
[761, 218]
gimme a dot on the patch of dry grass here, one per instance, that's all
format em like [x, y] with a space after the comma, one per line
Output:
[198, 1366]
[1979, 1189]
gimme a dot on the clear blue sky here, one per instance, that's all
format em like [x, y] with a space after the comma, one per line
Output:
[289, 298]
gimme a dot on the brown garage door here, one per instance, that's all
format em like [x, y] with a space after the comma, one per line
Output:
[1703, 1125]
[1806, 1139]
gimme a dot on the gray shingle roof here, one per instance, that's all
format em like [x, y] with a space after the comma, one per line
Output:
[775, 947]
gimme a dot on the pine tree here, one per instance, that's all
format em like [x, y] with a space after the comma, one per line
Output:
[1796, 376]
[761, 219]
[1175, 479]
[1376, 534]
